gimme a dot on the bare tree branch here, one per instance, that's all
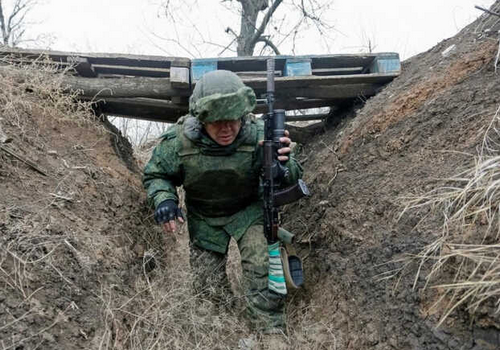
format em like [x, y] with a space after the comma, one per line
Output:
[269, 43]
[262, 19]
[13, 26]
[265, 21]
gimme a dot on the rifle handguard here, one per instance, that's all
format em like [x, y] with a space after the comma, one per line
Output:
[291, 194]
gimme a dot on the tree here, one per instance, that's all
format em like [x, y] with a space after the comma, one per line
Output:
[267, 22]
[13, 23]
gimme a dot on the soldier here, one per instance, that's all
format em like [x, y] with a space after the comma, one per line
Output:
[215, 154]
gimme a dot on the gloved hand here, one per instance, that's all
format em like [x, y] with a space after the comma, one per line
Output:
[166, 213]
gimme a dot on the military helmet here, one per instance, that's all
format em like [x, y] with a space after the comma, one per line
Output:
[221, 95]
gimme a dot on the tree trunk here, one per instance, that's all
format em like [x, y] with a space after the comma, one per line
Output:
[250, 11]
[3, 27]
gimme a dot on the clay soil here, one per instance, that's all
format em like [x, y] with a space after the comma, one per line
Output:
[422, 128]
[73, 273]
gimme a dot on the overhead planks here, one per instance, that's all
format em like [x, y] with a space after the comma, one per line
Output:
[157, 87]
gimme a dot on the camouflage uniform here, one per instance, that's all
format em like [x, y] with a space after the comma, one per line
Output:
[223, 200]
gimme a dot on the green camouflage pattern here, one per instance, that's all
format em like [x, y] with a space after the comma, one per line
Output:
[223, 200]
[214, 108]
[221, 95]
[234, 174]
[186, 156]
[210, 280]
[265, 309]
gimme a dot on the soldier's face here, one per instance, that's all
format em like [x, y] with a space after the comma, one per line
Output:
[223, 132]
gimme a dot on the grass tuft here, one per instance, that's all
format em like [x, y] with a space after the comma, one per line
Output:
[468, 246]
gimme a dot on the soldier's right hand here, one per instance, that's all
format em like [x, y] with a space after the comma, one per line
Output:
[167, 213]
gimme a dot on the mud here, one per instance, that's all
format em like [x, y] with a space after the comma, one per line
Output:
[72, 242]
[413, 133]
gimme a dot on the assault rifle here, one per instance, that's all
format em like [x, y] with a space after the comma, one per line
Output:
[274, 171]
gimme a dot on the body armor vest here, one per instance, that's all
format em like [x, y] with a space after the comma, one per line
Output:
[219, 180]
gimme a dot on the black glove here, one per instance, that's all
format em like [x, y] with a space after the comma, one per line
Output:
[167, 211]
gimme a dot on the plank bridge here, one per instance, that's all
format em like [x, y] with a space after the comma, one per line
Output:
[157, 88]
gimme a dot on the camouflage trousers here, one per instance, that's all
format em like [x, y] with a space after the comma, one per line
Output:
[265, 309]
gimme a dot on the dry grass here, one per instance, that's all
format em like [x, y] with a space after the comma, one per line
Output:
[34, 251]
[37, 87]
[76, 277]
[162, 311]
[165, 313]
[468, 246]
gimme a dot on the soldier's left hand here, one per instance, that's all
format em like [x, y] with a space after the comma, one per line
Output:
[285, 151]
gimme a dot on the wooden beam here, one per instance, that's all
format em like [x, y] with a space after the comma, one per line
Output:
[304, 134]
[42, 62]
[98, 58]
[337, 71]
[305, 117]
[329, 92]
[143, 108]
[299, 103]
[132, 71]
[249, 75]
[82, 66]
[258, 63]
[159, 88]
[161, 110]
[180, 77]
[260, 84]
[306, 86]
[165, 111]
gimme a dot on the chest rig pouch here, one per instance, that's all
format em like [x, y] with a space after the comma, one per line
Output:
[219, 180]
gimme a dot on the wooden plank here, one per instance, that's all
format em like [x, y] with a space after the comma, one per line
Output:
[159, 88]
[304, 134]
[300, 103]
[250, 74]
[82, 66]
[162, 110]
[143, 108]
[165, 111]
[180, 77]
[305, 117]
[99, 58]
[307, 86]
[236, 64]
[258, 63]
[181, 62]
[297, 67]
[40, 62]
[342, 60]
[386, 63]
[180, 100]
[201, 66]
[132, 71]
[255, 64]
[329, 92]
[337, 71]
[260, 84]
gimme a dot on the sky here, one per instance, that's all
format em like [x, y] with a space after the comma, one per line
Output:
[140, 27]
